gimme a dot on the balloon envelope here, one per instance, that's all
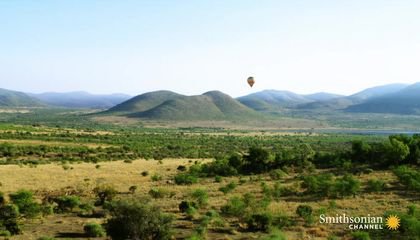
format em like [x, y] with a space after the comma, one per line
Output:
[251, 81]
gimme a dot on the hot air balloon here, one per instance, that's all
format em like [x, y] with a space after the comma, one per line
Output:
[251, 81]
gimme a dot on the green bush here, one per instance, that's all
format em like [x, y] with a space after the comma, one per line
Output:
[409, 177]
[305, 212]
[228, 188]
[375, 185]
[86, 208]
[185, 205]
[134, 220]
[185, 179]
[321, 185]
[358, 235]
[235, 207]
[2, 199]
[275, 235]
[277, 174]
[156, 177]
[47, 209]
[347, 186]
[67, 203]
[158, 193]
[201, 197]
[9, 215]
[5, 233]
[104, 193]
[94, 230]
[23, 199]
[259, 222]
[257, 161]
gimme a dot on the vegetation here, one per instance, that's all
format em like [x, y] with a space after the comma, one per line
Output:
[94, 230]
[242, 184]
[134, 220]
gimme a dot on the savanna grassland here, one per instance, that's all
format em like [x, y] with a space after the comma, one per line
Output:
[70, 176]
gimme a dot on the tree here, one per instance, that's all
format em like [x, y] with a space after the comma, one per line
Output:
[23, 199]
[9, 218]
[257, 161]
[360, 151]
[67, 203]
[137, 221]
[397, 151]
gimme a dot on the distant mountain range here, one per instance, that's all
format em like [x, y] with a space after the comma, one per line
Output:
[80, 99]
[215, 105]
[9, 98]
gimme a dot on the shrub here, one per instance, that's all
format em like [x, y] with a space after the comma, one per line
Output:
[358, 235]
[347, 186]
[218, 179]
[67, 203]
[181, 168]
[228, 188]
[23, 199]
[408, 177]
[105, 193]
[185, 205]
[257, 161]
[374, 185]
[219, 167]
[5, 233]
[305, 212]
[94, 230]
[275, 235]
[158, 192]
[321, 185]
[156, 177]
[276, 174]
[185, 179]
[281, 221]
[132, 189]
[259, 222]
[87, 208]
[235, 207]
[201, 196]
[47, 209]
[9, 218]
[2, 199]
[133, 220]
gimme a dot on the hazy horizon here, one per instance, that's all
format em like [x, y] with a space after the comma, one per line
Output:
[132, 95]
[192, 47]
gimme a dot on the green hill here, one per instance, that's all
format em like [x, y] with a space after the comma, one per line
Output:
[10, 98]
[143, 102]
[164, 105]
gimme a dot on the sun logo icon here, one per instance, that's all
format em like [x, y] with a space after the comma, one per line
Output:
[393, 222]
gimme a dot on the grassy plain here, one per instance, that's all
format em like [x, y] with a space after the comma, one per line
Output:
[70, 154]
[83, 177]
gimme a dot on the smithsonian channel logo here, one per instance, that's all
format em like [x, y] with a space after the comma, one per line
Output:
[368, 222]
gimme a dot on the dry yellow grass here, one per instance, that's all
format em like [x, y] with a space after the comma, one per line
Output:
[85, 177]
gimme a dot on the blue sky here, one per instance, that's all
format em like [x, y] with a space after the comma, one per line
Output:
[194, 46]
